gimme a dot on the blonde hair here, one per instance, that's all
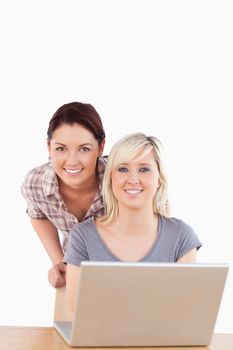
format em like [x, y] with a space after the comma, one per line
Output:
[123, 151]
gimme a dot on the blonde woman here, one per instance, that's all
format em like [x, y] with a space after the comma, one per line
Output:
[136, 226]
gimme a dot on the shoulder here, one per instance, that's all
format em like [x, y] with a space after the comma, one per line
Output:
[37, 178]
[180, 231]
[176, 225]
[103, 159]
[101, 168]
[82, 235]
[36, 174]
[78, 242]
[177, 229]
[179, 237]
[102, 164]
[84, 228]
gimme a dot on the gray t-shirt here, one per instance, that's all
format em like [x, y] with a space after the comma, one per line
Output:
[174, 239]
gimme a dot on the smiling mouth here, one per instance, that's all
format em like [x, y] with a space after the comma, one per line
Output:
[73, 171]
[133, 191]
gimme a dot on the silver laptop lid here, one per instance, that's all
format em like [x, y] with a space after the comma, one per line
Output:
[147, 304]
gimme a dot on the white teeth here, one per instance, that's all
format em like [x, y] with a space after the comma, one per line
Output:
[73, 171]
[133, 191]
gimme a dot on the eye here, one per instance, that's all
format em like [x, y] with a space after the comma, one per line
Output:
[60, 149]
[144, 169]
[122, 169]
[84, 149]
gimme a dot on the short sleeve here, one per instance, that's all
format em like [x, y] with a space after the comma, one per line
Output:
[76, 250]
[188, 240]
[32, 208]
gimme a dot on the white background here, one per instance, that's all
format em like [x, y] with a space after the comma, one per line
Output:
[161, 67]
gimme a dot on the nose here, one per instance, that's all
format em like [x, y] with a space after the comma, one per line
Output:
[72, 158]
[133, 178]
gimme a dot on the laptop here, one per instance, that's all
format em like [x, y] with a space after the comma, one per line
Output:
[145, 304]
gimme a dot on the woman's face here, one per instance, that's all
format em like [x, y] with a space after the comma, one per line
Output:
[74, 152]
[135, 183]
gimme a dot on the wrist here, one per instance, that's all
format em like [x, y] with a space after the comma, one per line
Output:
[57, 261]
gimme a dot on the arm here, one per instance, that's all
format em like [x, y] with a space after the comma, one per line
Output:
[190, 257]
[76, 252]
[48, 235]
[72, 276]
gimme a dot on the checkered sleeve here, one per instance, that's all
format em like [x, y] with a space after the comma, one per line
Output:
[30, 194]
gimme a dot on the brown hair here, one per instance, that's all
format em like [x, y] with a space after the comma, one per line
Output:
[81, 113]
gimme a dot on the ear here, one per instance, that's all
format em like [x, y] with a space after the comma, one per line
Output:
[101, 148]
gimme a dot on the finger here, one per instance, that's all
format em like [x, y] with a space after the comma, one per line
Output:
[53, 277]
[56, 277]
[63, 268]
[60, 283]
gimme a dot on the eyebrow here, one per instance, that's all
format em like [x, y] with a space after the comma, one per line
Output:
[84, 144]
[148, 164]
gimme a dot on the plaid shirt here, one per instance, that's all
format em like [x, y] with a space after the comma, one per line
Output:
[44, 201]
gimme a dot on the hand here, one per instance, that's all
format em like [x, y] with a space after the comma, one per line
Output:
[57, 275]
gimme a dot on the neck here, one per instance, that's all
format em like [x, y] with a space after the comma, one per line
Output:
[136, 222]
[89, 186]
